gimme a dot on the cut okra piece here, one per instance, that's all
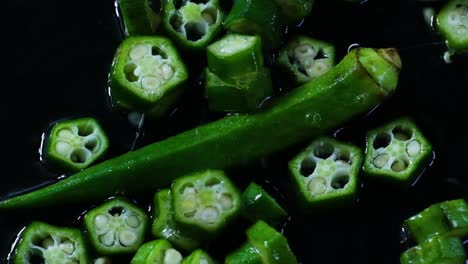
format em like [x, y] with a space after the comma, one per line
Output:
[235, 55]
[244, 94]
[138, 17]
[44, 243]
[165, 227]
[396, 151]
[439, 250]
[116, 227]
[326, 172]
[247, 254]
[257, 17]
[193, 24]
[102, 260]
[305, 58]
[449, 218]
[157, 252]
[452, 23]
[198, 257]
[257, 204]
[74, 144]
[295, 10]
[205, 201]
[147, 75]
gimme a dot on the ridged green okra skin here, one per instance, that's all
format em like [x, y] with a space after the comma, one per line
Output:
[138, 17]
[246, 254]
[147, 75]
[305, 58]
[205, 202]
[439, 250]
[257, 204]
[165, 227]
[50, 244]
[452, 23]
[74, 144]
[116, 227]
[304, 113]
[193, 24]
[396, 151]
[157, 252]
[326, 173]
[295, 10]
[198, 257]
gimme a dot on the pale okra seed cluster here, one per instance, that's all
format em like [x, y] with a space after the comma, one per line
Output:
[206, 201]
[311, 61]
[172, 256]
[117, 227]
[193, 20]
[54, 247]
[234, 44]
[78, 143]
[149, 67]
[326, 168]
[458, 19]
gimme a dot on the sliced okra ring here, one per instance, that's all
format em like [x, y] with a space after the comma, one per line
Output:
[295, 10]
[193, 24]
[157, 252]
[245, 93]
[138, 17]
[165, 227]
[205, 201]
[44, 243]
[257, 204]
[72, 145]
[235, 55]
[452, 23]
[396, 151]
[257, 17]
[306, 58]
[198, 257]
[437, 250]
[246, 254]
[147, 75]
[326, 172]
[116, 227]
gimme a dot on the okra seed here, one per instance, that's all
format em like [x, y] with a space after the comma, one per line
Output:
[203, 261]
[132, 221]
[80, 155]
[63, 148]
[324, 150]
[382, 140]
[65, 133]
[226, 201]
[47, 243]
[454, 18]
[68, 247]
[303, 50]
[139, 51]
[150, 83]
[339, 182]
[317, 185]
[381, 160]
[318, 68]
[172, 256]
[414, 148]
[102, 260]
[461, 30]
[209, 214]
[127, 238]
[399, 165]
[308, 166]
[167, 71]
[402, 133]
[107, 239]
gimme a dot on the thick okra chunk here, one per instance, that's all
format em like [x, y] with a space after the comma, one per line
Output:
[449, 218]
[138, 17]
[246, 254]
[72, 145]
[396, 151]
[116, 227]
[157, 252]
[193, 24]
[439, 250]
[295, 10]
[198, 257]
[452, 23]
[44, 243]
[165, 227]
[257, 204]
[205, 201]
[305, 58]
[147, 75]
[326, 172]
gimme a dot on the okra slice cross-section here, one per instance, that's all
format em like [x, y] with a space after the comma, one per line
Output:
[116, 227]
[147, 75]
[205, 201]
[157, 252]
[452, 23]
[44, 243]
[74, 144]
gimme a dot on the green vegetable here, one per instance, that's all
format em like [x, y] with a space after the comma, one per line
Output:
[102, 260]
[439, 250]
[452, 23]
[147, 75]
[198, 257]
[138, 17]
[246, 254]
[193, 24]
[305, 58]
[295, 10]
[73, 145]
[157, 252]
[165, 227]
[257, 204]
[49, 244]
[306, 112]
[396, 151]
[116, 227]
[205, 201]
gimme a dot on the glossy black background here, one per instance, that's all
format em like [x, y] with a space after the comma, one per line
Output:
[57, 56]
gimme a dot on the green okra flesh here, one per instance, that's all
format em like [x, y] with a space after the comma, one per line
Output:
[198, 257]
[246, 254]
[157, 252]
[439, 250]
[452, 23]
[138, 17]
[306, 112]
[295, 10]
